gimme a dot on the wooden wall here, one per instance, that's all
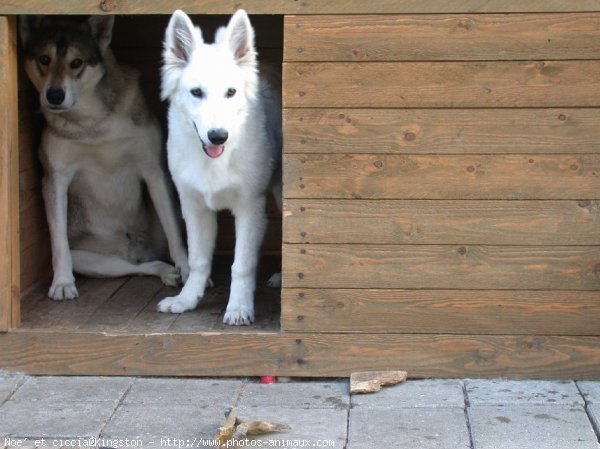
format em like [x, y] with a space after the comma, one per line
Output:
[441, 167]
[442, 174]
[9, 181]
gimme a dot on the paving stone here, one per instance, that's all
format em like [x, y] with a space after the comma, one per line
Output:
[314, 395]
[531, 427]
[60, 390]
[414, 428]
[8, 385]
[415, 393]
[185, 424]
[198, 392]
[308, 426]
[590, 391]
[44, 419]
[594, 414]
[500, 391]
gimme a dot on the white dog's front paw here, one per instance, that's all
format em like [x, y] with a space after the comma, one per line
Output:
[176, 304]
[171, 276]
[274, 281]
[239, 315]
[60, 290]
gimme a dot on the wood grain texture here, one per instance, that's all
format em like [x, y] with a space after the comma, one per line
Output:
[5, 183]
[287, 7]
[127, 305]
[35, 254]
[442, 267]
[127, 302]
[9, 181]
[442, 131]
[441, 311]
[497, 84]
[36, 265]
[442, 37]
[443, 222]
[299, 354]
[372, 176]
[40, 312]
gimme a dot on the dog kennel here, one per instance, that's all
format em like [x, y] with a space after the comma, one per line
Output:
[441, 199]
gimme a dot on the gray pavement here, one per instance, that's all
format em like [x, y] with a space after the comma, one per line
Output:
[418, 414]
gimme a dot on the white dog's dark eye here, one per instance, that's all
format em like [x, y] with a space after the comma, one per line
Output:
[197, 92]
[76, 63]
[230, 92]
[44, 60]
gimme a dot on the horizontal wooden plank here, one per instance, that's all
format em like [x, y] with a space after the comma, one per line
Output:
[440, 311]
[443, 222]
[287, 7]
[497, 84]
[376, 176]
[470, 267]
[298, 354]
[442, 131]
[442, 37]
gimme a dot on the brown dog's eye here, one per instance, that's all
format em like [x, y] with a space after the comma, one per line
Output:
[76, 63]
[230, 92]
[44, 60]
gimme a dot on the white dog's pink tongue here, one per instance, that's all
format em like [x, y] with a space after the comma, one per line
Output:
[214, 151]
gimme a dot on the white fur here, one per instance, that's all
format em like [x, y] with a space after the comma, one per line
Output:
[98, 156]
[239, 178]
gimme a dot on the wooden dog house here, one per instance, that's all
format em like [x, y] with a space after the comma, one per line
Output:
[442, 199]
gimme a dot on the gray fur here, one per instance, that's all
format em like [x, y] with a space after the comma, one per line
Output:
[106, 192]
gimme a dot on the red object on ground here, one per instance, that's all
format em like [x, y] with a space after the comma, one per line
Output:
[268, 379]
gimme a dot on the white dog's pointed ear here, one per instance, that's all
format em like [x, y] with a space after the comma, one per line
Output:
[180, 38]
[239, 36]
[102, 27]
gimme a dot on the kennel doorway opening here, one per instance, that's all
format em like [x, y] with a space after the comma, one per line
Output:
[128, 304]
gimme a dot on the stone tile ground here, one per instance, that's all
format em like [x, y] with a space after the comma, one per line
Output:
[419, 414]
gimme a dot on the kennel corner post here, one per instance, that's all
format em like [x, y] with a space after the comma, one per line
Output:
[9, 177]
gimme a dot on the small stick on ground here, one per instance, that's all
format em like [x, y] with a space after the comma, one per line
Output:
[237, 429]
[225, 433]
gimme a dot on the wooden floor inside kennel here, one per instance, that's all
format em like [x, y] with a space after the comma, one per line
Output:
[127, 305]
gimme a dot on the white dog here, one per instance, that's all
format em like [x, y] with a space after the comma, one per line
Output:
[223, 149]
[101, 153]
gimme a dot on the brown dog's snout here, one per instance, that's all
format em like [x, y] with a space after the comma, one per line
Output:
[55, 96]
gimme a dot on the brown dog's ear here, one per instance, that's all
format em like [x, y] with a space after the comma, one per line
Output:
[102, 27]
[27, 25]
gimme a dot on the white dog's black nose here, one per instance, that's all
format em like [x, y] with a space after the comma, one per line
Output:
[55, 96]
[218, 136]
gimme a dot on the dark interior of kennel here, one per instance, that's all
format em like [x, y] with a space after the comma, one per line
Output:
[441, 206]
[129, 303]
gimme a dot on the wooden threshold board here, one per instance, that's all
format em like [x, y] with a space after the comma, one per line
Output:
[297, 354]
